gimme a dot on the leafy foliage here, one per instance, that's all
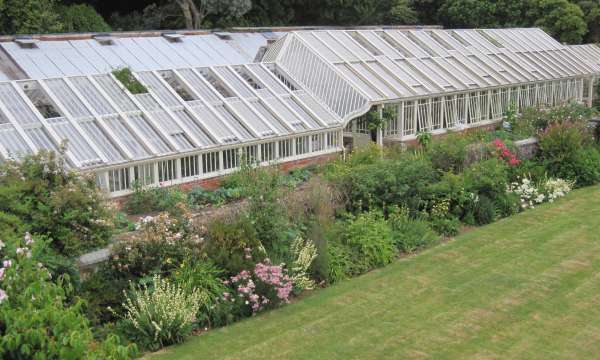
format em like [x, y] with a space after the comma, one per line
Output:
[47, 199]
[82, 18]
[410, 235]
[161, 314]
[369, 239]
[125, 76]
[32, 303]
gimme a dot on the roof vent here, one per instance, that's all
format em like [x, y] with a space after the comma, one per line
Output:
[26, 42]
[173, 37]
[223, 36]
[104, 39]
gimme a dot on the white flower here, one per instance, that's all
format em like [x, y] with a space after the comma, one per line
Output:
[28, 239]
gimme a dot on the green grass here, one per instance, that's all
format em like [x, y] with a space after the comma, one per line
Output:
[527, 287]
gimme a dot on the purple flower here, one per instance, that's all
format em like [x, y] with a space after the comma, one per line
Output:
[7, 263]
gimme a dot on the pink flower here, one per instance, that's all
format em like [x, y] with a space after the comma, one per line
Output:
[2, 273]
[7, 263]
[3, 296]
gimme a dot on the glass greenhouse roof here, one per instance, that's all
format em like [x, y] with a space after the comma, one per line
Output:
[104, 53]
[183, 110]
[384, 65]
[589, 52]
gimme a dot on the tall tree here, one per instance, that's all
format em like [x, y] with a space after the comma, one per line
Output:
[560, 18]
[29, 17]
[482, 13]
[402, 13]
[196, 11]
[82, 18]
[591, 13]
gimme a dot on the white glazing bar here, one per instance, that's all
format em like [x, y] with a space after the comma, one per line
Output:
[141, 139]
[231, 109]
[30, 144]
[274, 110]
[250, 90]
[207, 104]
[152, 122]
[73, 122]
[51, 133]
[107, 130]
[195, 141]
[333, 68]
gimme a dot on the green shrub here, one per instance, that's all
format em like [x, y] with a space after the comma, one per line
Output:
[488, 177]
[449, 153]
[148, 200]
[199, 197]
[82, 18]
[227, 241]
[369, 238]
[507, 204]
[451, 188]
[530, 169]
[408, 234]
[402, 181]
[125, 77]
[264, 191]
[39, 315]
[47, 199]
[587, 167]
[485, 210]
[103, 290]
[159, 315]
[565, 151]
[339, 262]
[204, 277]
[446, 226]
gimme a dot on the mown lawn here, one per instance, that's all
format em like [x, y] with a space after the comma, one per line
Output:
[525, 287]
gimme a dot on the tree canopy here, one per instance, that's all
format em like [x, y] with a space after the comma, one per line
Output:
[570, 21]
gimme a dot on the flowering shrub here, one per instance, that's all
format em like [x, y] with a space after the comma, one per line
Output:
[264, 287]
[549, 190]
[305, 252]
[502, 152]
[160, 315]
[528, 192]
[47, 199]
[36, 315]
[160, 246]
[556, 188]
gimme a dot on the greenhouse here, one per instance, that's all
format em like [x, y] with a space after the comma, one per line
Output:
[434, 80]
[205, 103]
